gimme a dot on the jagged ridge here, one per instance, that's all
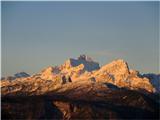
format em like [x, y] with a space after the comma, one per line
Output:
[80, 71]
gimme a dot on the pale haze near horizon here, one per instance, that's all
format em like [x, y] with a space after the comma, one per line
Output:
[36, 35]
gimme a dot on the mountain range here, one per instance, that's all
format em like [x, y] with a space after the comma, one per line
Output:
[80, 82]
[84, 69]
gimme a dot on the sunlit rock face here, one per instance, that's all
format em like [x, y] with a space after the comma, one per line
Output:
[49, 73]
[78, 71]
[116, 67]
[154, 79]
[117, 71]
[80, 89]
[89, 64]
[72, 67]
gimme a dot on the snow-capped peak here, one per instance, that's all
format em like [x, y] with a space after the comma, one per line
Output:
[116, 66]
[85, 69]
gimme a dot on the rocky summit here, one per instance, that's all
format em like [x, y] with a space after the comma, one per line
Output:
[81, 89]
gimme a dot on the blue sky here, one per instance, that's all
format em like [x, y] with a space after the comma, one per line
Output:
[40, 34]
